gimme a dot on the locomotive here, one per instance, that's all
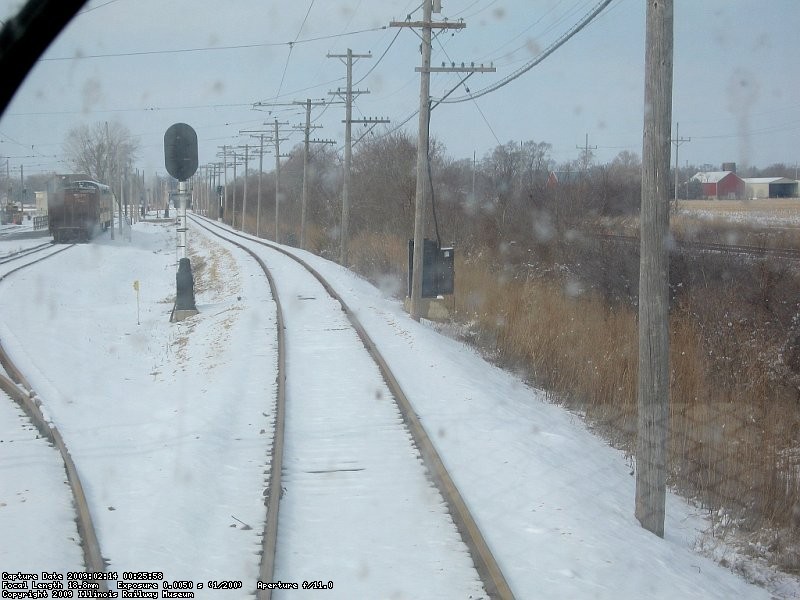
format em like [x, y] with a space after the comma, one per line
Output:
[79, 211]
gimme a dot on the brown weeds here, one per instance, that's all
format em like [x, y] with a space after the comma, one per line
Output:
[733, 422]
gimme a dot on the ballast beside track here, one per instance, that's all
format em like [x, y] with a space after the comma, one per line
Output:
[486, 566]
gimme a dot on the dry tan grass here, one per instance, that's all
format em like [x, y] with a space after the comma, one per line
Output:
[731, 434]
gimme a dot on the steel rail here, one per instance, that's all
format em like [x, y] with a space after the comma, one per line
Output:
[21, 391]
[23, 253]
[754, 251]
[269, 541]
[485, 564]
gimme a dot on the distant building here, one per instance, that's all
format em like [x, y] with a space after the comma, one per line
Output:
[41, 203]
[771, 187]
[720, 185]
[556, 178]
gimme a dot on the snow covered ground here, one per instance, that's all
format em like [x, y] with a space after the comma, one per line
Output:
[171, 433]
[771, 213]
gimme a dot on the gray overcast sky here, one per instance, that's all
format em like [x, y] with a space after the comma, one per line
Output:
[736, 90]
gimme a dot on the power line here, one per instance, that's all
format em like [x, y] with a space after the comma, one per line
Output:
[460, 83]
[291, 47]
[396, 35]
[212, 48]
[524, 31]
[88, 10]
[141, 109]
[552, 48]
[477, 12]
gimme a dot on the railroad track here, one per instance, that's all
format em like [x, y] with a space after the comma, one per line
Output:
[13, 256]
[17, 388]
[23, 233]
[324, 446]
[751, 251]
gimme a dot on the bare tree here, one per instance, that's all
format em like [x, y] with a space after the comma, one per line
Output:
[384, 184]
[101, 151]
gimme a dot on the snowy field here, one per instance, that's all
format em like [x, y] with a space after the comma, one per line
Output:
[763, 212]
[171, 434]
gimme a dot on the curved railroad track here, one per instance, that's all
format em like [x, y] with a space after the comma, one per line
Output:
[17, 387]
[492, 578]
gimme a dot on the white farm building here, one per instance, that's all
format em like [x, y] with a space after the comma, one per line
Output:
[770, 187]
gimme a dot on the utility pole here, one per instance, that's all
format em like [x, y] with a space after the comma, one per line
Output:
[213, 200]
[121, 198]
[586, 149]
[260, 136]
[246, 163]
[347, 94]
[427, 25]
[260, 177]
[653, 385]
[233, 199]
[225, 182]
[112, 195]
[307, 142]
[678, 140]
[244, 199]
[216, 183]
[276, 138]
[234, 163]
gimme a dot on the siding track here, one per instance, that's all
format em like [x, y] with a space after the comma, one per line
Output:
[17, 387]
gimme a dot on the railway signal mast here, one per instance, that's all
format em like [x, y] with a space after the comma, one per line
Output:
[180, 158]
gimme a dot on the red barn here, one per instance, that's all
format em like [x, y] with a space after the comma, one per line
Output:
[720, 185]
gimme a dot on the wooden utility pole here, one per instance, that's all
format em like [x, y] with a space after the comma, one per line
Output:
[224, 182]
[233, 199]
[277, 140]
[347, 94]
[260, 177]
[423, 135]
[586, 153]
[678, 140]
[306, 145]
[246, 175]
[653, 394]
[260, 135]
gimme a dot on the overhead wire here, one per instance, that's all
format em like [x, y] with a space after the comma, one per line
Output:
[211, 48]
[524, 31]
[466, 8]
[477, 12]
[374, 66]
[291, 47]
[552, 48]
[566, 16]
[88, 10]
[460, 83]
